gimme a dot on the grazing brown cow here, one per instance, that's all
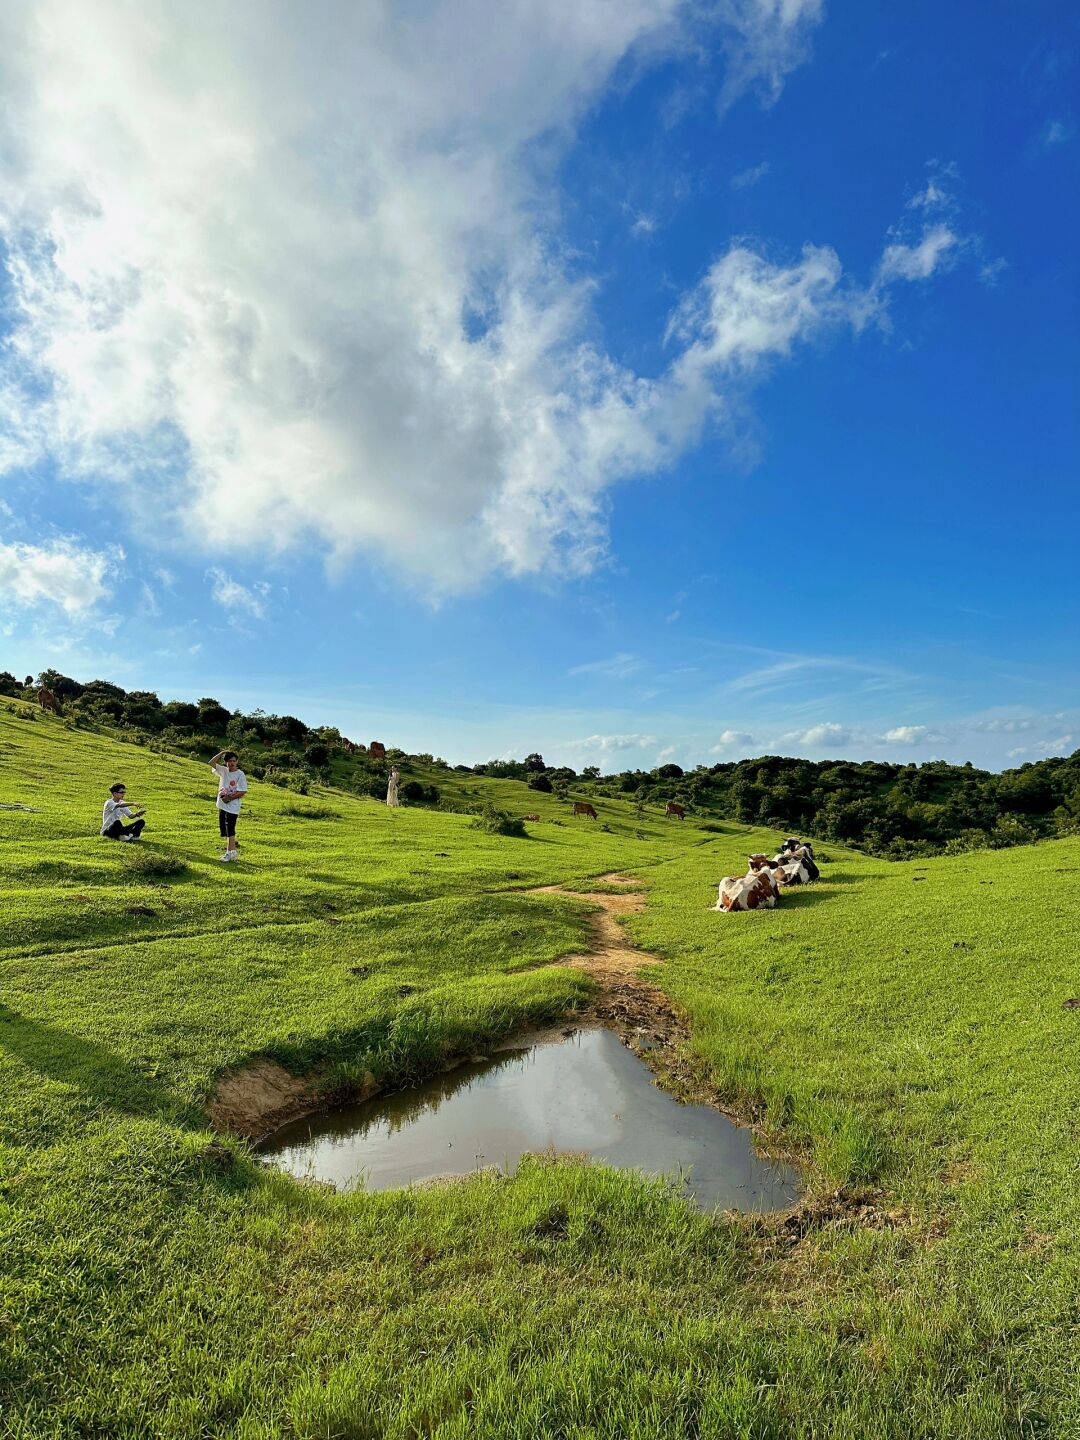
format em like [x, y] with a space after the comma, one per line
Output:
[530, 817]
[754, 891]
[582, 807]
[673, 808]
[47, 700]
[377, 750]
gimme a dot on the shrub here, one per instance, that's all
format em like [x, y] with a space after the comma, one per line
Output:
[297, 781]
[413, 792]
[498, 822]
[317, 755]
[542, 783]
[152, 864]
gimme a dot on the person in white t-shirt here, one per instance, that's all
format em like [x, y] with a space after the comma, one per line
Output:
[232, 787]
[115, 811]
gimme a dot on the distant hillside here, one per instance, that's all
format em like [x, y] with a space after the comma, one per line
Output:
[892, 810]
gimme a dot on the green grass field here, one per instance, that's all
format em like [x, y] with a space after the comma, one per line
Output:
[899, 1028]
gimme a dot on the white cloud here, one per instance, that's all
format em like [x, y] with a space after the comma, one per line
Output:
[933, 196]
[906, 735]
[990, 272]
[730, 739]
[239, 601]
[747, 178]
[615, 667]
[765, 41]
[1003, 724]
[643, 225]
[600, 747]
[917, 261]
[1057, 132]
[61, 572]
[291, 274]
[819, 736]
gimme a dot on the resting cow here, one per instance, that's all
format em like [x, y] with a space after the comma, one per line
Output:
[755, 891]
[800, 862]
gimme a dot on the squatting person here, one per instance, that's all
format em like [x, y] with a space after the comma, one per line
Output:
[115, 811]
[232, 787]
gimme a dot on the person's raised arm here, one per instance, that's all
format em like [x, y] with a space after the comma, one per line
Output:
[216, 759]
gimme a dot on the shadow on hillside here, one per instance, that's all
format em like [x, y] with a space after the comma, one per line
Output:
[58, 1055]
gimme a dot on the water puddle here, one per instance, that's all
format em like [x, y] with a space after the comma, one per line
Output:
[585, 1093]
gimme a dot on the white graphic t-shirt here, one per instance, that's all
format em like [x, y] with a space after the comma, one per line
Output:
[112, 811]
[233, 783]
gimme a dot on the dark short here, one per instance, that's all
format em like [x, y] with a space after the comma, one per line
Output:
[226, 823]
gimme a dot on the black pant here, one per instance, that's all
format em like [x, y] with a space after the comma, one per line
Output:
[118, 828]
[226, 824]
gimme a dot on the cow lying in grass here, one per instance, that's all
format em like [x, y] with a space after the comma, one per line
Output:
[799, 860]
[755, 890]
[760, 886]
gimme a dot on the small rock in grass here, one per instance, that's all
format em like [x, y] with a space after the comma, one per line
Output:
[1073, 1004]
[140, 910]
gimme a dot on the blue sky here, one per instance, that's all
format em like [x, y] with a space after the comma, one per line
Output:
[632, 382]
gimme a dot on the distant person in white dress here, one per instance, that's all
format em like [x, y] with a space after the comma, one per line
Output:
[232, 787]
[115, 811]
[392, 789]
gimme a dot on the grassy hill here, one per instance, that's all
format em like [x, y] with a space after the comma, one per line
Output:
[897, 1027]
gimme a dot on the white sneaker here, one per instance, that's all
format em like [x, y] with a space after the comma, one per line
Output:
[227, 855]
[127, 838]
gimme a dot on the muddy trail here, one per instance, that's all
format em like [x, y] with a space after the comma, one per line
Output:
[642, 1015]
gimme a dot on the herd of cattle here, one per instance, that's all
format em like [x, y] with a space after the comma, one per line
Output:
[759, 888]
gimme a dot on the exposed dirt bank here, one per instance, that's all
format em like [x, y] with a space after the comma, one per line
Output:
[259, 1098]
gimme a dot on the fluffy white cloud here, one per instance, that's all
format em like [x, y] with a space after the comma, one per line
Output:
[601, 747]
[819, 736]
[906, 734]
[730, 739]
[239, 601]
[290, 274]
[62, 573]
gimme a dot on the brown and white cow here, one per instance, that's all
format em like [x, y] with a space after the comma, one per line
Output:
[754, 891]
[674, 808]
[582, 807]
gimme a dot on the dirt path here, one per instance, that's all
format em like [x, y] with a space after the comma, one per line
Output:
[641, 1014]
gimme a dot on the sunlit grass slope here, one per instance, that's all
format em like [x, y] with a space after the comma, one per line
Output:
[899, 1027]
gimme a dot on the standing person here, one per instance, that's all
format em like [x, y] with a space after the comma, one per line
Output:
[391, 789]
[115, 811]
[232, 787]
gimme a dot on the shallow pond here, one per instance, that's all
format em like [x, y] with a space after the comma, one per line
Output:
[583, 1092]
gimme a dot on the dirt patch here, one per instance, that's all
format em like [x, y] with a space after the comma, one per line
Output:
[259, 1098]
